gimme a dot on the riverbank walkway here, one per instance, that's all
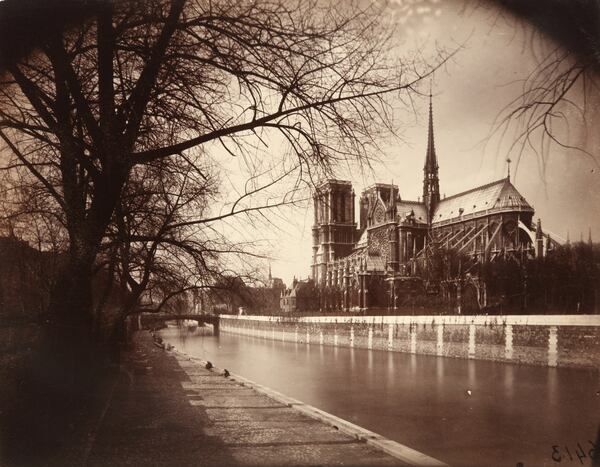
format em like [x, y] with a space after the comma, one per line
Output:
[166, 409]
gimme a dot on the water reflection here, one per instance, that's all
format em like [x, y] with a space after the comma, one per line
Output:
[472, 381]
[509, 379]
[390, 369]
[552, 385]
[413, 365]
[440, 386]
[439, 367]
[515, 414]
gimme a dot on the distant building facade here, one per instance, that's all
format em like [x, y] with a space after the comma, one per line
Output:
[373, 262]
[300, 297]
[231, 295]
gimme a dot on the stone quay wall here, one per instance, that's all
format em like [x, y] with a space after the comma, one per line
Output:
[548, 340]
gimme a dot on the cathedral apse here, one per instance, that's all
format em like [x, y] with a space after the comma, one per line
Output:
[430, 246]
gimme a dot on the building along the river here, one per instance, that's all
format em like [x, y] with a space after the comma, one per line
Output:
[392, 249]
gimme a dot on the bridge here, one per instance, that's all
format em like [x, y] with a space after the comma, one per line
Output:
[150, 319]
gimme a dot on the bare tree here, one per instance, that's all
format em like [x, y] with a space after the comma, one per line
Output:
[139, 82]
[559, 98]
[163, 245]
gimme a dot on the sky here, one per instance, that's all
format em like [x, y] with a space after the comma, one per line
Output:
[496, 53]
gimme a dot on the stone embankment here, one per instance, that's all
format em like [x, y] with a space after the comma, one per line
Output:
[549, 340]
[170, 409]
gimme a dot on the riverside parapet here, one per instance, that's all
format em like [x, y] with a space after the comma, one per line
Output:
[548, 340]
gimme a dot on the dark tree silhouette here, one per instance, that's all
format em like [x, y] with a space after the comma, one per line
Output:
[119, 86]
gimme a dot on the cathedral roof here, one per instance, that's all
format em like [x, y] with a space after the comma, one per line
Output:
[404, 207]
[363, 240]
[498, 196]
[374, 262]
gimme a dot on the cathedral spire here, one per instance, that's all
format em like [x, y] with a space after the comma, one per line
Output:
[430, 158]
[431, 186]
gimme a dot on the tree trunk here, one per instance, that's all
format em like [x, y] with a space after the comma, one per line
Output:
[69, 354]
[71, 297]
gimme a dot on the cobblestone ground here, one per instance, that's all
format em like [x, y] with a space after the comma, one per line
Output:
[167, 411]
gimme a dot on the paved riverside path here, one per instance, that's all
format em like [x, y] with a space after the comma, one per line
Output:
[168, 410]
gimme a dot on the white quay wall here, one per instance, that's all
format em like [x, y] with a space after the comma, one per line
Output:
[550, 340]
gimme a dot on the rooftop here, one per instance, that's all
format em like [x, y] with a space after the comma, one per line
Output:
[500, 194]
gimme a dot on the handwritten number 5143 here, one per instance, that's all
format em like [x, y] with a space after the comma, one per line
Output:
[560, 453]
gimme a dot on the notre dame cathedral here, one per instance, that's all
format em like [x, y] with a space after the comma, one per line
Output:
[390, 251]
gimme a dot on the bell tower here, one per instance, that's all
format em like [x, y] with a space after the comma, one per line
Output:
[334, 227]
